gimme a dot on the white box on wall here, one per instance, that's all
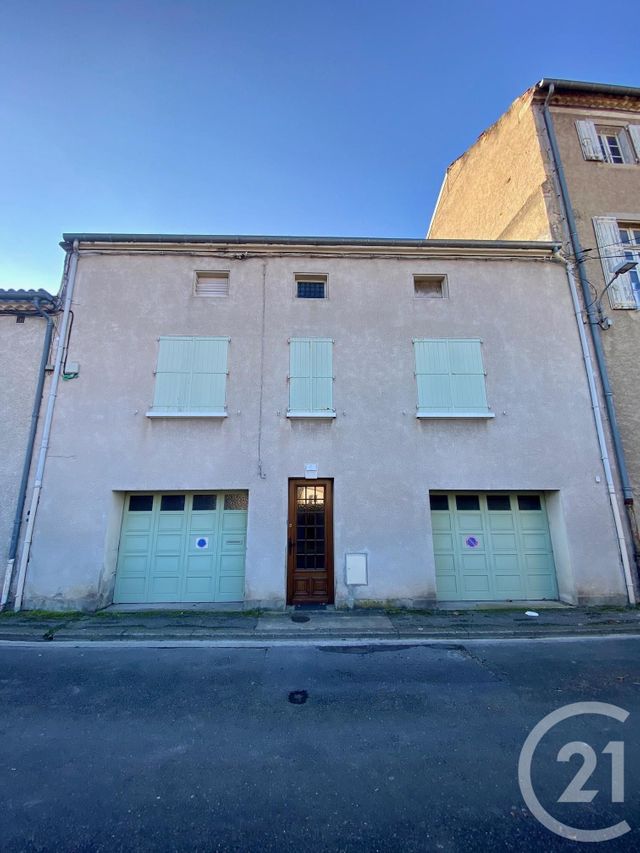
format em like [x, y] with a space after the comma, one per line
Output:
[356, 569]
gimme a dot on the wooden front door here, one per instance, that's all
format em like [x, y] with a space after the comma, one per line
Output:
[310, 542]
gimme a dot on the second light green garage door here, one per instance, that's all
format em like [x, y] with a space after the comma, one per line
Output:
[187, 547]
[492, 547]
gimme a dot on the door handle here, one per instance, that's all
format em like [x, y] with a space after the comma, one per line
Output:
[290, 545]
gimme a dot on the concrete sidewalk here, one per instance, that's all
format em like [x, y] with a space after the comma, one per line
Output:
[307, 625]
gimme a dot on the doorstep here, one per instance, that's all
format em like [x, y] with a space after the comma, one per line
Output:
[309, 622]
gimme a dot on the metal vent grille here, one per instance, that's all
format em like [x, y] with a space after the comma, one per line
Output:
[212, 284]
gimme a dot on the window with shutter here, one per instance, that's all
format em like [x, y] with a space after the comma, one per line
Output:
[450, 378]
[311, 378]
[191, 378]
[608, 144]
[613, 253]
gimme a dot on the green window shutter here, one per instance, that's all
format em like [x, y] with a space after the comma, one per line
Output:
[467, 377]
[173, 376]
[191, 376]
[209, 375]
[310, 375]
[299, 376]
[450, 377]
[433, 376]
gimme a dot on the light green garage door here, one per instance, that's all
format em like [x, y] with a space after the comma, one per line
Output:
[492, 547]
[182, 547]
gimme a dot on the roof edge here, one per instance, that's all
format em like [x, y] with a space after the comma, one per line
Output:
[24, 301]
[589, 88]
[277, 241]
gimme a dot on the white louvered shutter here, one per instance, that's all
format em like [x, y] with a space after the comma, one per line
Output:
[627, 153]
[212, 284]
[612, 255]
[589, 140]
[634, 133]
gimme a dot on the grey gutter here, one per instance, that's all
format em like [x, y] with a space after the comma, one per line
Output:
[594, 88]
[627, 491]
[27, 298]
[238, 239]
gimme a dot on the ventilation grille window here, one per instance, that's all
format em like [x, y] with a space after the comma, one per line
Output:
[311, 286]
[430, 286]
[212, 284]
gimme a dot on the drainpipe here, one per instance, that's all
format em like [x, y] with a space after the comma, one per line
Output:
[22, 492]
[46, 430]
[627, 491]
[604, 453]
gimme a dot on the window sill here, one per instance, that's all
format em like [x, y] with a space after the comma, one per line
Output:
[312, 415]
[152, 414]
[477, 415]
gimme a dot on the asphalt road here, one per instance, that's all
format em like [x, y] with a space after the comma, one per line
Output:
[305, 748]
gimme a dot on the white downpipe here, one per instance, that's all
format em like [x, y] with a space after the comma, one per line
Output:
[604, 454]
[8, 574]
[46, 430]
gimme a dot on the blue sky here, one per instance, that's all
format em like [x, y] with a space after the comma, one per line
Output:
[273, 117]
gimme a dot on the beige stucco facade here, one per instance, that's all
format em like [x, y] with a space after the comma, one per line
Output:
[20, 353]
[506, 184]
[383, 460]
[604, 189]
[498, 189]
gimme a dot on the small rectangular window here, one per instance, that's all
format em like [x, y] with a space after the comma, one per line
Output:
[212, 283]
[470, 503]
[439, 502]
[430, 286]
[311, 286]
[20, 318]
[172, 503]
[236, 501]
[140, 503]
[610, 147]
[498, 503]
[529, 502]
[614, 145]
[204, 503]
